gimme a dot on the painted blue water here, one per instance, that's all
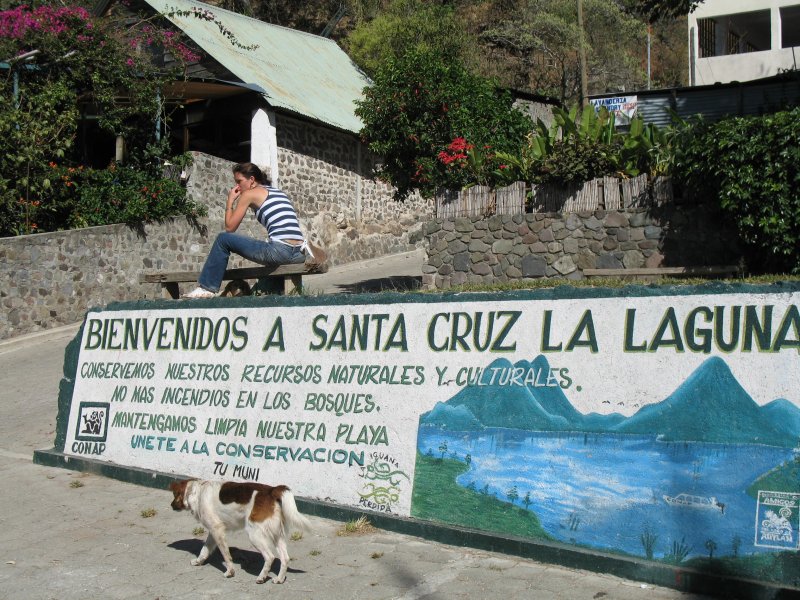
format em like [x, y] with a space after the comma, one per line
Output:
[605, 490]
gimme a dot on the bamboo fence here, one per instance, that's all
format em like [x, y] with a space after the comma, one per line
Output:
[608, 193]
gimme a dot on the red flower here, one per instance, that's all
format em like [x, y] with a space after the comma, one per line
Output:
[458, 144]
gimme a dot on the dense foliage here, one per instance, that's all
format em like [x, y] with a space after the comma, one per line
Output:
[655, 10]
[433, 140]
[60, 65]
[752, 165]
[406, 25]
[418, 105]
[580, 146]
[82, 197]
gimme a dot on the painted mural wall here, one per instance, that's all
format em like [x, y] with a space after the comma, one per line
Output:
[660, 423]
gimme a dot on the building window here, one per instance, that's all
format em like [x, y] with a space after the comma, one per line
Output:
[790, 26]
[733, 43]
[707, 37]
[734, 34]
[751, 30]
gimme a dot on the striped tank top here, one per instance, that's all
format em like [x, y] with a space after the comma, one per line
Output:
[277, 214]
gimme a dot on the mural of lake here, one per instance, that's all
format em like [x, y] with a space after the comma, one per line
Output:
[607, 490]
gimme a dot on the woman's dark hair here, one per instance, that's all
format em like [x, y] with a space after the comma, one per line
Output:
[249, 170]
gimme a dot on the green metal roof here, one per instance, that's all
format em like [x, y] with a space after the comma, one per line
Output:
[297, 71]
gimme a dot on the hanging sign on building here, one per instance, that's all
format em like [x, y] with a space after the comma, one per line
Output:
[623, 107]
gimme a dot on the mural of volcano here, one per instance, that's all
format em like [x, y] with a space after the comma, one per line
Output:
[709, 406]
[666, 482]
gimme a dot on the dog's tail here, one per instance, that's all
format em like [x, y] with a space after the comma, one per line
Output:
[292, 519]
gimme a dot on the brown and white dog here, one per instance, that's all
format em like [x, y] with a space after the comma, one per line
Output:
[266, 513]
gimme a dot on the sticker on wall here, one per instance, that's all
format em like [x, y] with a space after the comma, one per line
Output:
[91, 428]
[777, 520]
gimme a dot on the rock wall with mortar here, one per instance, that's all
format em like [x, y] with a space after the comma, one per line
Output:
[479, 250]
[328, 176]
[52, 279]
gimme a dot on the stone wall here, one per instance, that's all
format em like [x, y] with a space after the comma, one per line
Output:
[501, 248]
[328, 176]
[52, 279]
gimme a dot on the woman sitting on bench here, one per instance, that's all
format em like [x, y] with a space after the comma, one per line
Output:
[285, 243]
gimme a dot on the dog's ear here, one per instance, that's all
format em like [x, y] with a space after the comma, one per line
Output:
[175, 486]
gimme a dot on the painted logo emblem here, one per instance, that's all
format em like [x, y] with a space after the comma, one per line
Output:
[777, 520]
[382, 490]
[92, 422]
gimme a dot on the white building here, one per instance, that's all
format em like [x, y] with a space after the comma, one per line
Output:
[743, 40]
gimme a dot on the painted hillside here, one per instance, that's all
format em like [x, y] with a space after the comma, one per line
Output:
[709, 406]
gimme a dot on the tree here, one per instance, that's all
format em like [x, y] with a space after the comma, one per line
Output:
[669, 53]
[656, 10]
[527, 500]
[750, 165]
[544, 36]
[419, 104]
[403, 26]
[736, 543]
[512, 494]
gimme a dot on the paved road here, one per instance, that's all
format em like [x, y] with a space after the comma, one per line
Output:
[70, 535]
[397, 272]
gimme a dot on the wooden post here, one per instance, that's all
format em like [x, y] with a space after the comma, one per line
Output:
[582, 54]
[292, 283]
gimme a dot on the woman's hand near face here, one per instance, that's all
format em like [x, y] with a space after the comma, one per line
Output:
[247, 195]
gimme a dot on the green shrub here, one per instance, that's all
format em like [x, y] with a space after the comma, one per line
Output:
[751, 164]
[576, 160]
[579, 147]
[78, 197]
[419, 104]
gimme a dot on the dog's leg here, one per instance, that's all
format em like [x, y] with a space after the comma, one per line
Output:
[226, 555]
[217, 537]
[208, 548]
[283, 555]
[260, 540]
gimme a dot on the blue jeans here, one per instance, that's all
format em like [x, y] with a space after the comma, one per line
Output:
[264, 253]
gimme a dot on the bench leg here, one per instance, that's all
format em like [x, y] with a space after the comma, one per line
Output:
[170, 290]
[292, 284]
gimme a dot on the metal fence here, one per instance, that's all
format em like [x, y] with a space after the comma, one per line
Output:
[608, 193]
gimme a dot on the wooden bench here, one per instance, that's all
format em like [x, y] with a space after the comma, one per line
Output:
[291, 277]
[713, 271]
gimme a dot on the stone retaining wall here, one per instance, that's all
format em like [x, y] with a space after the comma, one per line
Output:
[52, 279]
[328, 175]
[352, 216]
[501, 248]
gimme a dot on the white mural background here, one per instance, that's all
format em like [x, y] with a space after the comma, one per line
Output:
[605, 358]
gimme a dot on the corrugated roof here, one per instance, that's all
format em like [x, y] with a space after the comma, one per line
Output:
[297, 71]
